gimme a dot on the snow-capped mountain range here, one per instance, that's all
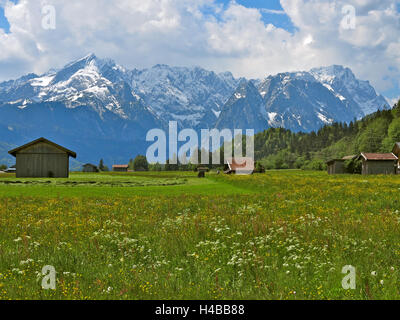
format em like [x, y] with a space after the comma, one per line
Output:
[105, 110]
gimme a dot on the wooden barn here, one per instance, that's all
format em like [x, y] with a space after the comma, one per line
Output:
[337, 166]
[42, 159]
[378, 163]
[396, 152]
[120, 168]
[240, 166]
[90, 168]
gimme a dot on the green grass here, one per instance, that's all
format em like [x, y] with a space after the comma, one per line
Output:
[279, 235]
[117, 185]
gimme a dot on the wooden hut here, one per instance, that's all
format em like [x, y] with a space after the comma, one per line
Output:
[202, 171]
[396, 151]
[90, 168]
[120, 168]
[240, 166]
[378, 163]
[42, 158]
[337, 166]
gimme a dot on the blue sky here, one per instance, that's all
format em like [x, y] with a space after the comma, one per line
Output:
[3, 21]
[237, 40]
[278, 20]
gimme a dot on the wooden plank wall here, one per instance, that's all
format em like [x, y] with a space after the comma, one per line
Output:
[42, 160]
[378, 167]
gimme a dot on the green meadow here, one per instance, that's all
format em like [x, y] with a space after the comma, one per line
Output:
[169, 235]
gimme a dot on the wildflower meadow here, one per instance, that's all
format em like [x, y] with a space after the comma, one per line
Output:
[278, 235]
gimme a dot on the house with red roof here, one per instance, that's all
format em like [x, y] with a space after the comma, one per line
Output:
[240, 165]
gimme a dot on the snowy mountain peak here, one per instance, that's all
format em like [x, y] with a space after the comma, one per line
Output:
[246, 88]
[244, 110]
[332, 73]
[346, 86]
[192, 96]
[198, 98]
[286, 77]
[81, 62]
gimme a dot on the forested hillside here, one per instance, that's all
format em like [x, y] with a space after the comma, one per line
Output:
[278, 148]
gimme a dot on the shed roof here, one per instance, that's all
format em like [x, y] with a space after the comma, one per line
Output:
[379, 156]
[335, 160]
[349, 157]
[341, 160]
[15, 151]
[240, 163]
[90, 165]
[123, 166]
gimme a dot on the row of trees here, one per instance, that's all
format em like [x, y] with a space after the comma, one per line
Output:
[279, 148]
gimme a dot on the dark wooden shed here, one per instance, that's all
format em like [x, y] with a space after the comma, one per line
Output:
[202, 171]
[90, 168]
[378, 163]
[42, 158]
[120, 168]
[336, 166]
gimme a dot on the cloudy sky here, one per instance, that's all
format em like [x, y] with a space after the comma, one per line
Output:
[251, 38]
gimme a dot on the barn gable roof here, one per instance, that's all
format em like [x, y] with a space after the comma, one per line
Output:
[89, 165]
[379, 156]
[121, 166]
[15, 151]
[240, 163]
[332, 161]
[352, 157]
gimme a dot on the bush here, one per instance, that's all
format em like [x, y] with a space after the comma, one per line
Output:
[353, 166]
[140, 164]
[299, 163]
[268, 165]
[259, 168]
[315, 164]
[155, 167]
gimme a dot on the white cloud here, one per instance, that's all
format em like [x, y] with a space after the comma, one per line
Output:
[139, 33]
[271, 11]
[392, 101]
